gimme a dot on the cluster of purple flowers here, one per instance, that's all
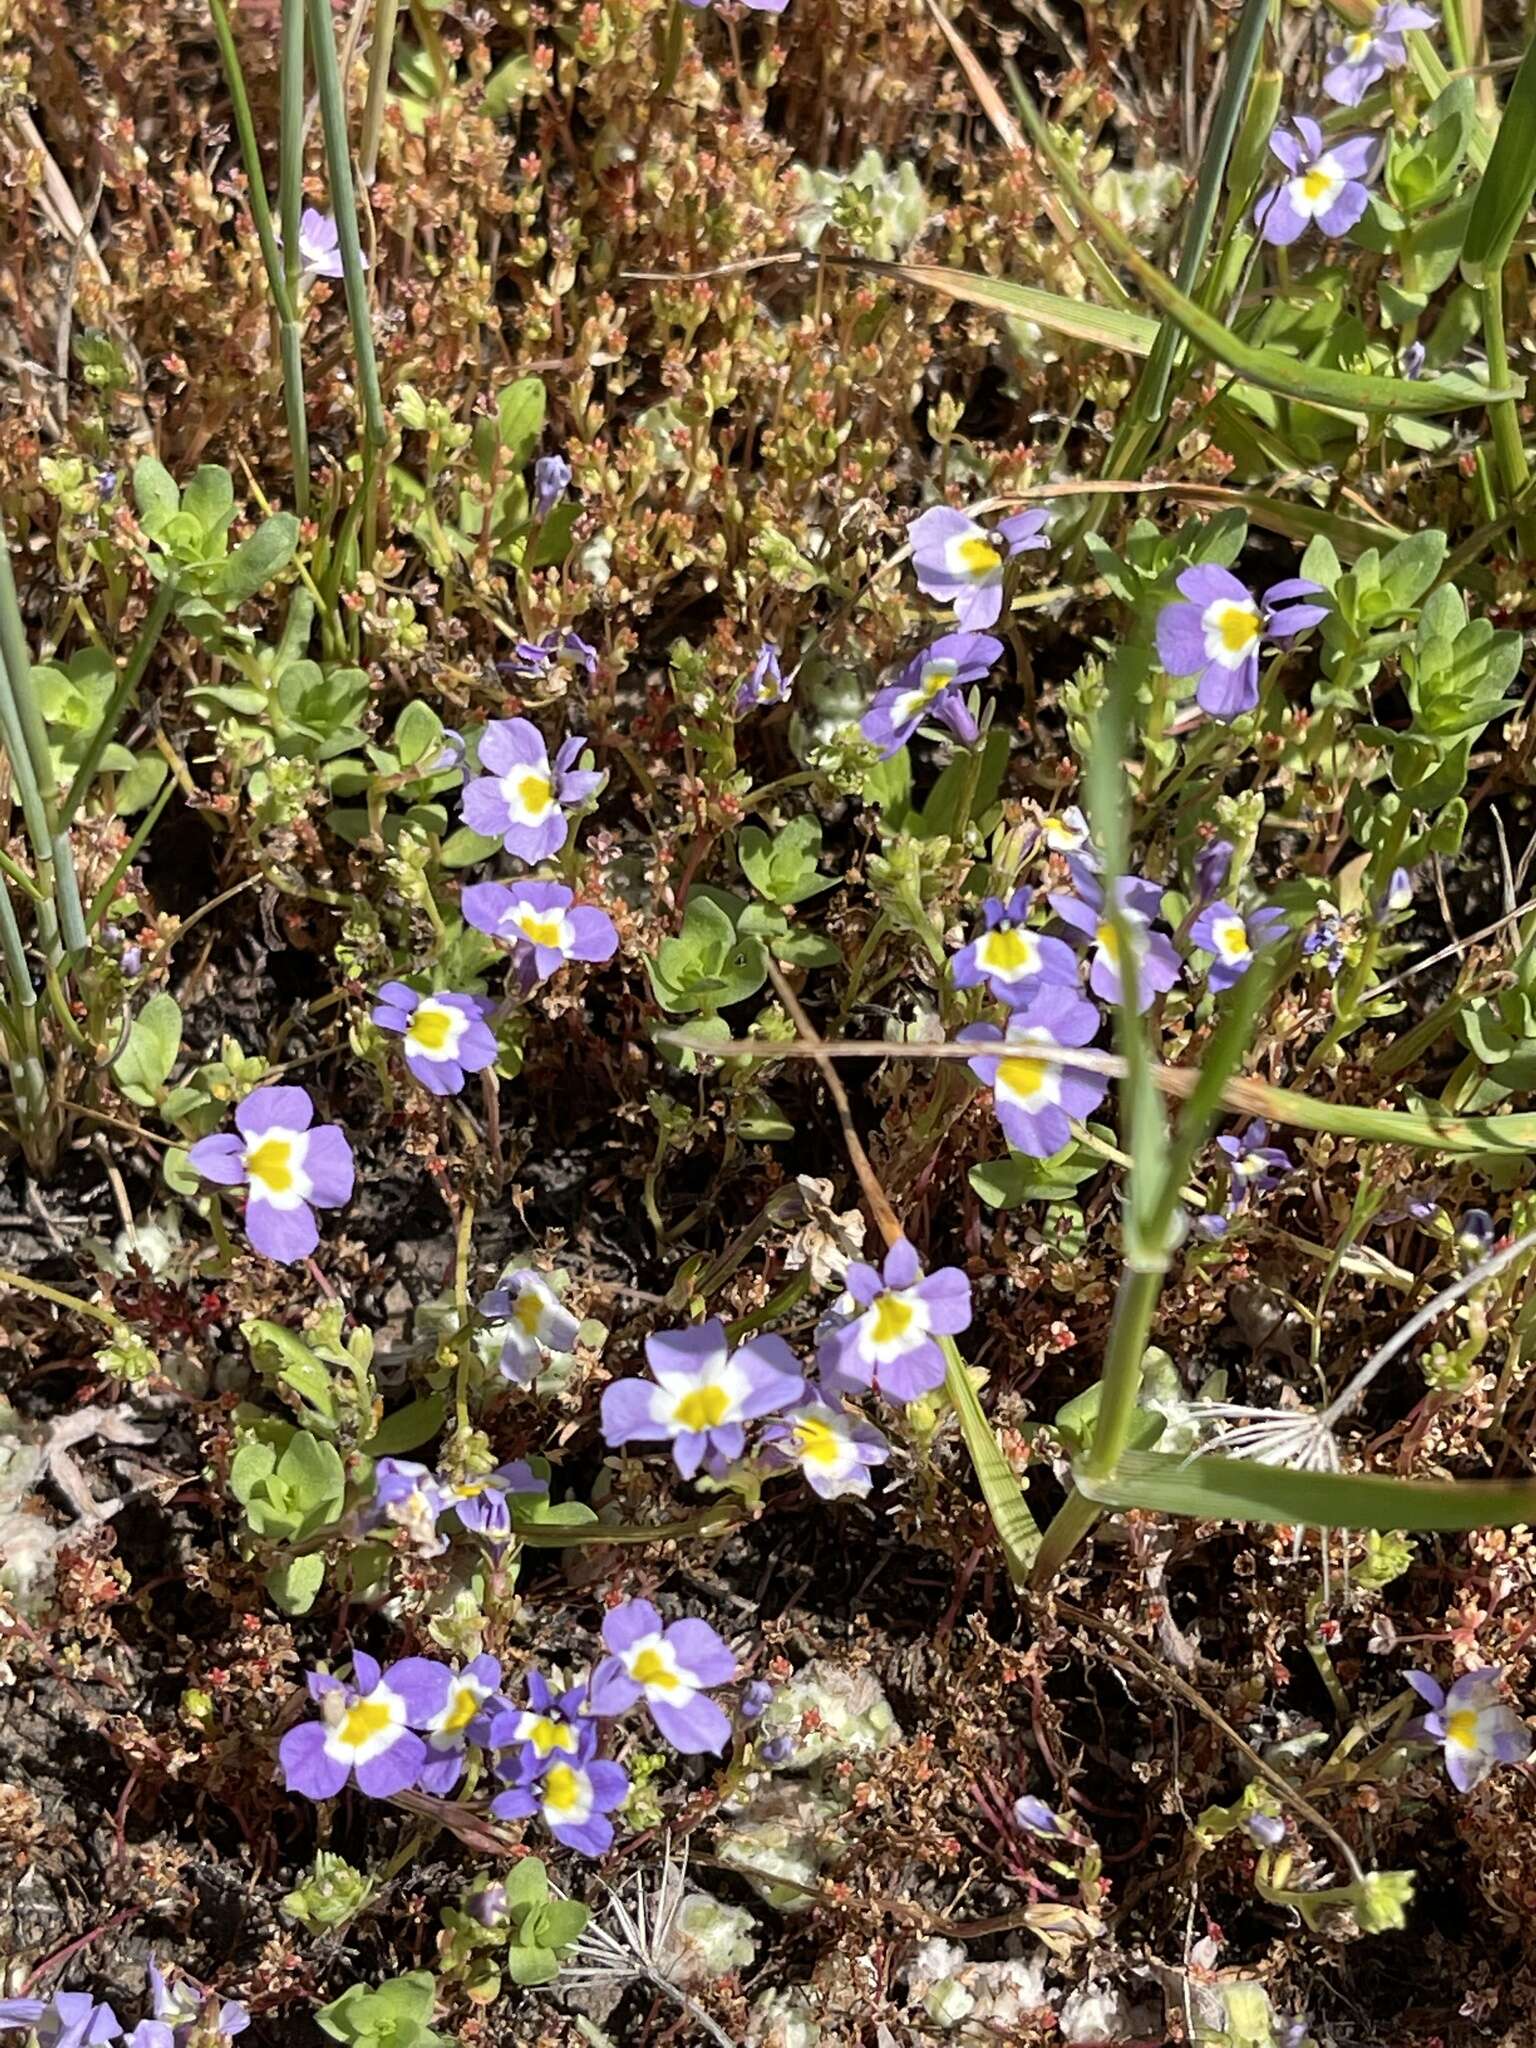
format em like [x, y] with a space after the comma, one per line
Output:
[410, 1726]
[882, 1334]
[1035, 975]
[410, 1496]
[73, 2019]
[961, 563]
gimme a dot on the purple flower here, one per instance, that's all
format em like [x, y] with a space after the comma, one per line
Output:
[889, 1342]
[1256, 1167]
[574, 1797]
[287, 1168]
[757, 6]
[1396, 898]
[1213, 868]
[532, 1322]
[703, 1393]
[1067, 832]
[446, 1036]
[1032, 1098]
[533, 659]
[1472, 1724]
[1037, 1817]
[549, 1728]
[1233, 939]
[319, 245]
[484, 1505]
[551, 481]
[1157, 964]
[1009, 959]
[1324, 943]
[835, 1450]
[177, 2008]
[1326, 184]
[1475, 1234]
[1216, 634]
[930, 686]
[70, 2019]
[408, 1496]
[960, 562]
[457, 1718]
[670, 1669]
[1358, 59]
[1267, 1829]
[365, 1730]
[756, 1699]
[764, 683]
[523, 800]
[543, 924]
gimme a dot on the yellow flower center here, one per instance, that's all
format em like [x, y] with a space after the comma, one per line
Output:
[272, 1164]
[541, 931]
[703, 1408]
[979, 557]
[1008, 951]
[893, 1318]
[1239, 627]
[362, 1722]
[535, 791]
[1023, 1077]
[563, 1790]
[528, 1313]
[1231, 936]
[1461, 1728]
[1359, 43]
[1109, 942]
[652, 1668]
[430, 1029]
[1314, 183]
[547, 1735]
[464, 1709]
[816, 1442]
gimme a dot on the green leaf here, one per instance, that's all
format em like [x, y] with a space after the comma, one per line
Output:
[257, 560]
[466, 849]
[155, 494]
[210, 499]
[418, 734]
[1016, 1528]
[782, 869]
[1237, 1490]
[295, 1586]
[1504, 192]
[144, 1064]
[408, 1428]
[520, 410]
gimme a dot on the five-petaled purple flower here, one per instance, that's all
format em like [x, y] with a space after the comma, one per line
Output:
[1472, 1724]
[1256, 1166]
[366, 1730]
[574, 1795]
[1326, 184]
[1358, 59]
[543, 924]
[1034, 1098]
[1085, 911]
[523, 800]
[888, 1340]
[703, 1393]
[764, 683]
[931, 686]
[1217, 631]
[446, 1036]
[551, 481]
[533, 659]
[531, 1321]
[834, 1449]
[1233, 937]
[458, 1717]
[319, 246]
[406, 1495]
[550, 1727]
[485, 1504]
[1009, 959]
[177, 2010]
[289, 1166]
[960, 562]
[70, 2019]
[669, 1668]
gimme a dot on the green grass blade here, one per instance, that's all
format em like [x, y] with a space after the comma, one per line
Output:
[1503, 197]
[1103, 326]
[1315, 383]
[1016, 1528]
[1235, 1490]
[338, 163]
[127, 683]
